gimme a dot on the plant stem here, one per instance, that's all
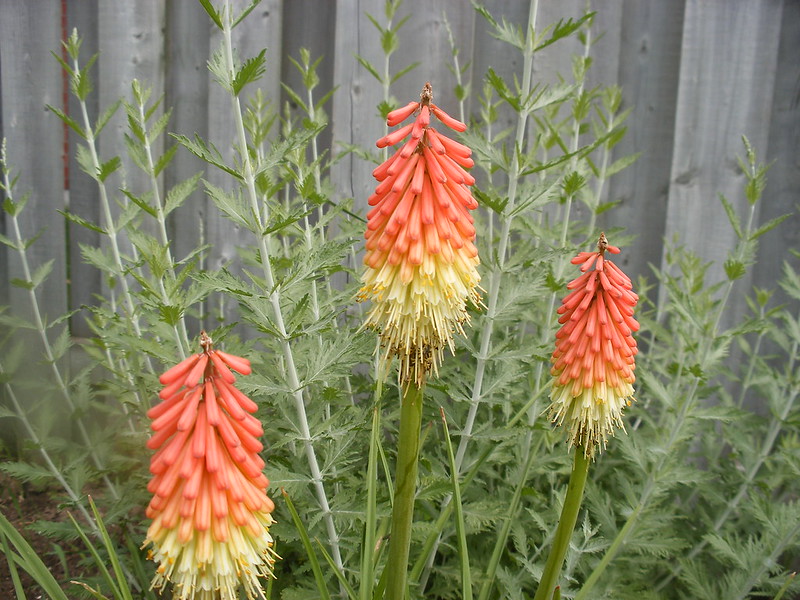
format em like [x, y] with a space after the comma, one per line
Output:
[370, 513]
[497, 271]
[404, 491]
[275, 300]
[496, 274]
[110, 228]
[179, 330]
[566, 525]
[41, 328]
[45, 454]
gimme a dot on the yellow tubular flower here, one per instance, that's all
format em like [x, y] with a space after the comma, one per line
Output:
[593, 362]
[421, 258]
[210, 511]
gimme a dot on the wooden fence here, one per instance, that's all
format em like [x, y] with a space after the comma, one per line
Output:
[699, 74]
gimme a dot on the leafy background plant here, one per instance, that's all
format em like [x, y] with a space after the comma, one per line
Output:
[704, 482]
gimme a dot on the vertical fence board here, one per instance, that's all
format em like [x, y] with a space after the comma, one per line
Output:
[783, 179]
[31, 79]
[188, 29]
[132, 47]
[310, 22]
[488, 50]
[84, 200]
[648, 73]
[354, 113]
[424, 40]
[698, 75]
[725, 90]
[262, 29]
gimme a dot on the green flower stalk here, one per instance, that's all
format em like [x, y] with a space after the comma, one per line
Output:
[421, 271]
[593, 362]
[592, 371]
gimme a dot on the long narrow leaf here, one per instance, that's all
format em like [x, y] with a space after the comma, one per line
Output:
[112, 553]
[368, 547]
[351, 593]
[30, 561]
[444, 517]
[463, 553]
[785, 586]
[138, 567]
[502, 537]
[322, 586]
[12, 568]
[98, 560]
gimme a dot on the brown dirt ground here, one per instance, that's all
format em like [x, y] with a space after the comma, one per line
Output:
[22, 506]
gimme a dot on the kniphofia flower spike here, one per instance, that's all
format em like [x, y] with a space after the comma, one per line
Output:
[420, 257]
[593, 362]
[210, 511]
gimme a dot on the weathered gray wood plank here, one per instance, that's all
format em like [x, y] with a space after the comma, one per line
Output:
[262, 29]
[727, 74]
[311, 24]
[131, 47]
[83, 196]
[650, 56]
[355, 118]
[783, 151]
[188, 29]
[30, 79]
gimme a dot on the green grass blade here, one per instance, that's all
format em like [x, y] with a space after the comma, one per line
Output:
[351, 593]
[312, 556]
[139, 570]
[98, 560]
[381, 589]
[93, 592]
[112, 553]
[30, 561]
[463, 552]
[785, 586]
[502, 538]
[12, 568]
[387, 474]
[444, 517]
[368, 548]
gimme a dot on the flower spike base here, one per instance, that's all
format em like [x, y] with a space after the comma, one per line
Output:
[566, 525]
[421, 260]
[593, 362]
[210, 511]
[404, 492]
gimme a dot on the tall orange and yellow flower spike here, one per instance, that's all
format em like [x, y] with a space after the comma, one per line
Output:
[421, 258]
[593, 362]
[210, 511]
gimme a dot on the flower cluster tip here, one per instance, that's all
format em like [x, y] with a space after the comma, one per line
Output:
[421, 260]
[594, 359]
[210, 512]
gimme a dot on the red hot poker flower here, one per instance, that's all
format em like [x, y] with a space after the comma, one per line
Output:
[211, 515]
[421, 258]
[593, 362]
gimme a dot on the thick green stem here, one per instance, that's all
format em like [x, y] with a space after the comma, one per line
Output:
[404, 491]
[566, 525]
